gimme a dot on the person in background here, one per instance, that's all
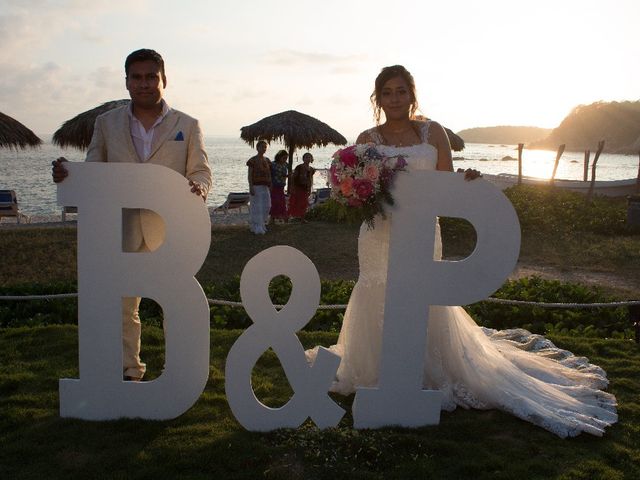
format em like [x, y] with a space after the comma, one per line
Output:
[302, 183]
[259, 177]
[146, 130]
[279, 175]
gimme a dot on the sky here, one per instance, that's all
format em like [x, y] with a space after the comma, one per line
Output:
[230, 63]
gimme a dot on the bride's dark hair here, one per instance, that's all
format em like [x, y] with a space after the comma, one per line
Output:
[386, 74]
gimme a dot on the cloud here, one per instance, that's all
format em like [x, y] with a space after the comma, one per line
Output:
[46, 75]
[46, 94]
[304, 101]
[340, 100]
[19, 80]
[29, 26]
[18, 35]
[295, 58]
[249, 94]
[108, 78]
[91, 37]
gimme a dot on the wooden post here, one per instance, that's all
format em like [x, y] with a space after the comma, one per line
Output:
[291, 149]
[585, 174]
[555, 166]
[593, 169]
[520, 147]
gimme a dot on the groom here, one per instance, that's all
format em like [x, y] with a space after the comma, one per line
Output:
[146, 130]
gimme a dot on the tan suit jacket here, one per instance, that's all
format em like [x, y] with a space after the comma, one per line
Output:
[177, 144]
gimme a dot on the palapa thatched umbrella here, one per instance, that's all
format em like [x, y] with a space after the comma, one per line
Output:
[457, 143]
[294, 129]
[78, 131]
[15, 135]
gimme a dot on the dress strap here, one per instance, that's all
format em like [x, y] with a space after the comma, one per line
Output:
[425, 130]
[375, 136]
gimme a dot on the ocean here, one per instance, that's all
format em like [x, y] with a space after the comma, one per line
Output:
[28, 172]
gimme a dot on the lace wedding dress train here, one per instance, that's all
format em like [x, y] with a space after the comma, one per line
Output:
[474, 367]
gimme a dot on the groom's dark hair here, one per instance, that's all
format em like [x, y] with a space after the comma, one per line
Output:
[143, 55]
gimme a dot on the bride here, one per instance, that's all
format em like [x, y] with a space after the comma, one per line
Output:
[513, 370]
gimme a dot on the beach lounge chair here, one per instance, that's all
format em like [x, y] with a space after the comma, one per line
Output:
[234, 201]
[319, 196]
[66, 210]
[9, 206]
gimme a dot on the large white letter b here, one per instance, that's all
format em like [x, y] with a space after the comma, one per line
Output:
[106, 275]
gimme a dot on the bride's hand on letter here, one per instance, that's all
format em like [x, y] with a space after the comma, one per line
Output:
[470, 173]
[197, 189]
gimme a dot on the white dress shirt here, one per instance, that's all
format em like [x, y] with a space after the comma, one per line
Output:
[142, 138]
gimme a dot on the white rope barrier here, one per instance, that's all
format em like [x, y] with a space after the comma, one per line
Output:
[239, 304]
[40, 297]
[503, 301]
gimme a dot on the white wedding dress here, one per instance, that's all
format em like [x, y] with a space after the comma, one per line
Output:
[474, 367]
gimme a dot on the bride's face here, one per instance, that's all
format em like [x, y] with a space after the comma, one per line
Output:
[396, 99]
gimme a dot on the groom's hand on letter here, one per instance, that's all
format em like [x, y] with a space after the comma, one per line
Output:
[59, 172]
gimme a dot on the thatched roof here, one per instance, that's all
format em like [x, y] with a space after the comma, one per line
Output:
[78, 131]
[13, 134]
[457, 143]
[294, 129]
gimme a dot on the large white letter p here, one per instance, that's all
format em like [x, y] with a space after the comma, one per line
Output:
[416, 281]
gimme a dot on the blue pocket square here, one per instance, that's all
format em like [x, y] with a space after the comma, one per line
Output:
[179, 137]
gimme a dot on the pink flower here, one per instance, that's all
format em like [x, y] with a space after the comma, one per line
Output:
[348, 156]
[363, 188]
[354, 202]
[346, 186]
[371, 172]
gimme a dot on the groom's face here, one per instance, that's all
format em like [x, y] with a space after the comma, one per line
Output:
[145, 83]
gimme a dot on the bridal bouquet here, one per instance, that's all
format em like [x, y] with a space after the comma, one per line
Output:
[361, 178]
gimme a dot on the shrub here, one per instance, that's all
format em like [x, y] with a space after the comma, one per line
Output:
[555, 211]
[598, 322]
[602, 322]
[546, 209]
[335, 292]
[332, 211]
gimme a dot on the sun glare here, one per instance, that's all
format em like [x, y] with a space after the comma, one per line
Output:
[539, 163]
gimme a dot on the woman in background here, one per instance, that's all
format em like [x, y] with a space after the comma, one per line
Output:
[302, 181]
[279, 175]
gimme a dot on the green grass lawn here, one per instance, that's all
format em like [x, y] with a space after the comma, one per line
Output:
[206, 442]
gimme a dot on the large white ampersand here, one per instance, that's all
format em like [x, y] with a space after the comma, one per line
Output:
[277, 329]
